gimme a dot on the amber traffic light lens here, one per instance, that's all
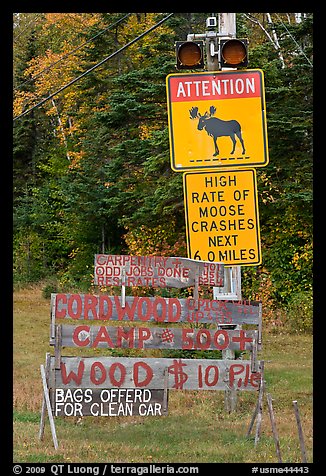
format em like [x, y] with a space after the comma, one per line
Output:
[234, 52]
[190, 54]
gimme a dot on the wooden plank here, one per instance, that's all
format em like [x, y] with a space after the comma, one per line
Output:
[156, 338]
[108, 402]
[158, 309]
[155, 271]
[131, 372]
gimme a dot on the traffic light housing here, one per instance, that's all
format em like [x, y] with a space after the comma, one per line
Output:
[233, 53]
[189, 54]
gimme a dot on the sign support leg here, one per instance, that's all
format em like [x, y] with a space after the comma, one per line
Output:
[253, 418]
[230, 394]
[260, 405]
[258, 409]
[166, 392]
[42, 421]
[48, 407]
[275, 435]
[300, 432]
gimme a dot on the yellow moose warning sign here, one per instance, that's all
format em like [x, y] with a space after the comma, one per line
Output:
[217, 119]
[222, 222]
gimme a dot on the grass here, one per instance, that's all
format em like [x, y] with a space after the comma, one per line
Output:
[197, 429]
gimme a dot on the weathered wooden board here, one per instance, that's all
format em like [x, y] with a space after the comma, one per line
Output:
[156, 338]
[130, 372]
[159, 309]
[155, 271]
[82, 402]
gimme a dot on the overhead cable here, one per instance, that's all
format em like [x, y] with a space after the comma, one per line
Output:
[95, 66]
[71, 52]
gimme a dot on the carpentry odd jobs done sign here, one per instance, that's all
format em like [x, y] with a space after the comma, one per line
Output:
[222, 222]
[217, 119]
[155, 271]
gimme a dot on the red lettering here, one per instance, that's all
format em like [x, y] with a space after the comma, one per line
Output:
[199, 315]
[215, 375]
[112, 370]
[226, 339]
[75, 336]
[126, 333]
[75, 314]
[147, 311]
[242, 339]
[255, 379]
[187, 341]
[128, 311]
[174, 304]
[90, 303]
[100, 270]
[207, 381]
[60, 313]
[104, 300]
[72, 376]
[200, 376]
[235, 369]
[159, 302]
[247, 375]
[103, 336]
[97, 380]
[143, 334]
[101, 259]
[203, 339]
[148, 374]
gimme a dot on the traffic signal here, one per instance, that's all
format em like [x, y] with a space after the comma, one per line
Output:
[233, 53]
[189, 54]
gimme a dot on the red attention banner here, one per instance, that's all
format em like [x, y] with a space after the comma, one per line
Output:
[215, 86]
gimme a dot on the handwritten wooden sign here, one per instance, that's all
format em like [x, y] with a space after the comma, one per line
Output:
[157, 309]
[156, 338]
[81, 386]
[155, 271]
[130, 372]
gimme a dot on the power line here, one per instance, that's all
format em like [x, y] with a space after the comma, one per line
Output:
[71, 52]
[301, 50]
[26, 26]
[94, 67]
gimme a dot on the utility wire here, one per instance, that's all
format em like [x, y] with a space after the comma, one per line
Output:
[94, 67]
[71, 52]
[301, 50]
[26, 26]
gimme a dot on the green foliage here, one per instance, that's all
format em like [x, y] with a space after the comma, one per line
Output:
[99, 180]
[300, 313]
[49, 288]
[28, 256]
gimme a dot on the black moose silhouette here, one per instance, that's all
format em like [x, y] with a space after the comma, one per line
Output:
[217, 127]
